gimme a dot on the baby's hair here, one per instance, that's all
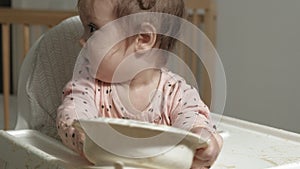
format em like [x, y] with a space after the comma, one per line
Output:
[172, 7]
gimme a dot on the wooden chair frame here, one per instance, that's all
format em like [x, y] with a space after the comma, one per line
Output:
[26, 18]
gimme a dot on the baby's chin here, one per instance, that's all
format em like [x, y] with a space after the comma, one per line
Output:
[112, 79]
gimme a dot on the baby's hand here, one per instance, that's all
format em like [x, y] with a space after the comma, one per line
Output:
[205, 157]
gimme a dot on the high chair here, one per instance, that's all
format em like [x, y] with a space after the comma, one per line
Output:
[47, 68]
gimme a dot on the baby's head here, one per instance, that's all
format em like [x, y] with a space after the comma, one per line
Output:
[94, 14]
[120, 8]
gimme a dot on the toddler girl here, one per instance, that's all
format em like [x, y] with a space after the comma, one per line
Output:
[172, 101]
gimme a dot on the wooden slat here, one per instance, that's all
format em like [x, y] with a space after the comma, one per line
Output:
[181, 54]
[26, 35]
[207, 21]
[210, 21]
[6, 70]
[32, 17]
[197, 4]
[210, 31]
[194, 64]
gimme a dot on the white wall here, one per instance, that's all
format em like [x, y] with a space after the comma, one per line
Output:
[259, 44]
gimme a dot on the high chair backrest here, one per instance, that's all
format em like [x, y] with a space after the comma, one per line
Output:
[46, 69]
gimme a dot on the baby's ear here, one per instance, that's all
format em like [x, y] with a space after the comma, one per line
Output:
[146, 39]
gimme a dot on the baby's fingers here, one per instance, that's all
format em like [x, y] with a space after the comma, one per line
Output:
[209, 154]
[204, 154]
[200, 164]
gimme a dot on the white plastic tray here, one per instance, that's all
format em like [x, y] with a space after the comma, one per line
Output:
[252, 146]
[246, 146]
[31, 149]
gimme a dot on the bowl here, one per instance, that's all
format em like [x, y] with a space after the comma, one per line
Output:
[130, 143]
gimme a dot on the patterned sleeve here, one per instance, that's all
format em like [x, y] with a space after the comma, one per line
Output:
[77, 103]
[190, 111]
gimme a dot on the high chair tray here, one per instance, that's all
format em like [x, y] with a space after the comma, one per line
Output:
[249, 145]
[246, 146]
[31, 149]
[34, 149]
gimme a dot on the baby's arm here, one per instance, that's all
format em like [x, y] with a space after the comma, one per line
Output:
[190, 111]
[192, 114]
[78, 103]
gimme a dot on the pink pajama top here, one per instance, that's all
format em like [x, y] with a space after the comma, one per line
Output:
[175, 104]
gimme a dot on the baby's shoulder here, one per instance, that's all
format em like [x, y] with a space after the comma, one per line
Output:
[170, 79]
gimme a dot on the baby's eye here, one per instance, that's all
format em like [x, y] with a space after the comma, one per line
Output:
[92, 27]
